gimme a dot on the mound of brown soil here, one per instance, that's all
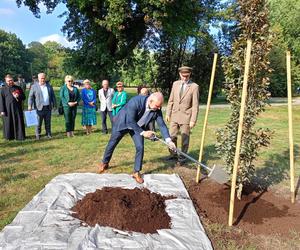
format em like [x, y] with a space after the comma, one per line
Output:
[258, 213]
[136, 210]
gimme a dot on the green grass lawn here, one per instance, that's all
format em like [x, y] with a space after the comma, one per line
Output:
[26, 167]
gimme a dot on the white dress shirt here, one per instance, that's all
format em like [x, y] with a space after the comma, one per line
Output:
[45, 95]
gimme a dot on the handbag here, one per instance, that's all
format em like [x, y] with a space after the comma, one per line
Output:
[60, 108]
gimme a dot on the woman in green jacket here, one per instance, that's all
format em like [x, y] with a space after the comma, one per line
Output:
[70, 98]
[119, 99]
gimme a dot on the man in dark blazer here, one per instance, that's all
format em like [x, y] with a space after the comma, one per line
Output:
[42, 98]
[134, 119]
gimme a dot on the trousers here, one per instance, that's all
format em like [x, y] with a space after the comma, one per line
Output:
[185, 135]
[115, 138]
[103, 117]
[43, 115]
[70, 116]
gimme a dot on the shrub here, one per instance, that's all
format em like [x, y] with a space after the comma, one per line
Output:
[253, 23]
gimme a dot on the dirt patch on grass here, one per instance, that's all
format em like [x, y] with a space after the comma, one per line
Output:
[136, 210]
[258, 212]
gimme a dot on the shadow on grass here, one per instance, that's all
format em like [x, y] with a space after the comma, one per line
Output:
[32, 140]
[11, 156]
[7, 175]
[275, 170]
[12, 177]
[210, 154]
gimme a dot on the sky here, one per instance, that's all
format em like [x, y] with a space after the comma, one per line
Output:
[28, 28]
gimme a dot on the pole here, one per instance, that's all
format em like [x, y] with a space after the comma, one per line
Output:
[290, 114]
[212, 78]
[240, 130]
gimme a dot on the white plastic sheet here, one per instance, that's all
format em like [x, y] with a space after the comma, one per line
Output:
[46, 223]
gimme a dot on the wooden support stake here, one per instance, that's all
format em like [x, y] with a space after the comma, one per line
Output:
[290, 112]
[212, 78]
[240, 130]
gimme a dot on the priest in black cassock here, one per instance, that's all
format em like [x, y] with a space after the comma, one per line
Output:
[11, 99]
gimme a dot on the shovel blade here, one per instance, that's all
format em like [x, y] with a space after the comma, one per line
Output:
[219, 175]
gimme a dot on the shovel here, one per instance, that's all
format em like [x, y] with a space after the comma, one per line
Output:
[216, 173]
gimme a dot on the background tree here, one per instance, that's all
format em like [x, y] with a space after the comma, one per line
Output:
[202, 60]
[253, 23]
[39, 57]
[196, 52]
[169, 57]
[57, 59]
[107, 31]
[194, 48]
[284, 18]
[139, 69]
[284, 14]
[14, 58]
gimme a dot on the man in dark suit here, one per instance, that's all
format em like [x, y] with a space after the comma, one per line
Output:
[42, 97]
[134, 119]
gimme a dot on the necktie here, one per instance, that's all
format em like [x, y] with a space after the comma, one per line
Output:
[181, 90]
[145, 118]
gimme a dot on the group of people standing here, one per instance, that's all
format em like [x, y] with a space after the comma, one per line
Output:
[134, 117]
[42, 99]
[111, 102]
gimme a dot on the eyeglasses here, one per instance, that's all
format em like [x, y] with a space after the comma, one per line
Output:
[69, 81]
[119, 86]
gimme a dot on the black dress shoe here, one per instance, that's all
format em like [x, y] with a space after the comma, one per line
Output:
[181, 161]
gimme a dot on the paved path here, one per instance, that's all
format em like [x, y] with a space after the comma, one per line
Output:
[276, 101]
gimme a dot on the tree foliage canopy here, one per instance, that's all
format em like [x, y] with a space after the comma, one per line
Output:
[284, 18]
[16, 59]
[108, 30]
[13, 55]
[38, 56]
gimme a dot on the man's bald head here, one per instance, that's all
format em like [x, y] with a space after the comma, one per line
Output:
[156, 100]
